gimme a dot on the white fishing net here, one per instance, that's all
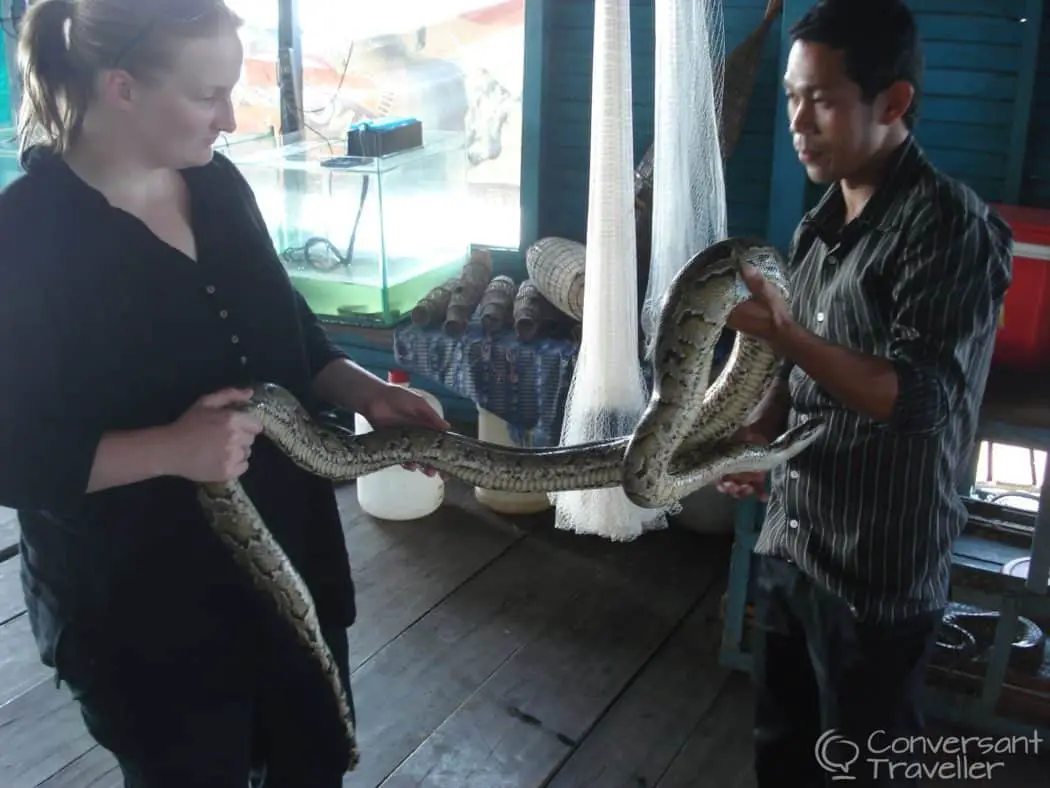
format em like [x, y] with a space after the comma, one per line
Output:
[689, 190]
[608, 394]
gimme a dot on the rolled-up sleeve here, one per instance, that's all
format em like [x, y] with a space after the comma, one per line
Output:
[947, 295]
[49, 422]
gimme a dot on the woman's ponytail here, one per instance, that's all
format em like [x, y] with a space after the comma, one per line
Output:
[53, 97]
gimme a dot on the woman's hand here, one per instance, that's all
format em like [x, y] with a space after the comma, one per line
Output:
[393, 406]
[210, 442]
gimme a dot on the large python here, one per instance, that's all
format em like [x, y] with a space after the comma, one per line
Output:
[682, 441]
[967, 633]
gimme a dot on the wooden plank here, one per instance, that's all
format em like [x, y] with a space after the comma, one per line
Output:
[965, 54]
[720, 747]
[1007, 9]
[952, 28]
[672, 695]
[20, 665]
[40, 732]
[408, 689]
[12, 602]
[525, 718]
[9, 533]
[417, 565]
[963, 136]
[404, 570]
[785, 204]
[950, 109]
[96, 768]
[529, 594]
[534, 79]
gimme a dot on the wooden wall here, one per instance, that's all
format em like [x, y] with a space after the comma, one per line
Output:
[978, 119]
[1035, 185]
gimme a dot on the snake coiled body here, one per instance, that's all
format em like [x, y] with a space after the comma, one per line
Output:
[969, 634]
[681, 444]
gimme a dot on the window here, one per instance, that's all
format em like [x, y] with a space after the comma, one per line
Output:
[457, 65]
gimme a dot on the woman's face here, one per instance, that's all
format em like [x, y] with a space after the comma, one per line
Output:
[175, 118]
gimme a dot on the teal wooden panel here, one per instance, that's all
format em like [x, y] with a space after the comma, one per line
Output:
[973, 113]
[566, 108]
[534, 70]
[788, 185]
[974, 110]
[975, 120]
[994, 25]
[1035, 184]
[569, 26]
[6, 118]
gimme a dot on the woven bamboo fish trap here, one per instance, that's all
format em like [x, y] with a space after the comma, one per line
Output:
[555, 266]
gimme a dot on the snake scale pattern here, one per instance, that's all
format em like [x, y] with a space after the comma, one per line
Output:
[968, 634]
[679, 446]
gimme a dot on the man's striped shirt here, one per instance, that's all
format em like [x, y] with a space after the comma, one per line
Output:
[871, 510]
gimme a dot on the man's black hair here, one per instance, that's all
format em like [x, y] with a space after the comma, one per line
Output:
[879, 41]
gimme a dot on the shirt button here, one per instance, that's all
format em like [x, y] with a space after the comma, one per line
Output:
[244, 359]
[210, 289]
[235, 339]
[793, 474]
[803, 418]
[223, 314]
[792, 523]
[820, 317]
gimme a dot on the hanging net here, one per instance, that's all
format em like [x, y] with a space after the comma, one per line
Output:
[689, 192]
[608, 392]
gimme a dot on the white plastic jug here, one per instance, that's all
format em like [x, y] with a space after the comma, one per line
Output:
[395, 493]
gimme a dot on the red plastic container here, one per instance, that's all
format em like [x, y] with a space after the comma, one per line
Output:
[1023, 341]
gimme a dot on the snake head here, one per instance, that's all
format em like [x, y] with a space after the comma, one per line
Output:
[800, 437]
[264, 394]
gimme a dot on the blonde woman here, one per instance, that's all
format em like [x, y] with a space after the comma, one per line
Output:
[139, 295]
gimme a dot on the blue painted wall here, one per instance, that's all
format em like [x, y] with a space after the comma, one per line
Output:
[985, 116]
[565, 109]
[1035, 184]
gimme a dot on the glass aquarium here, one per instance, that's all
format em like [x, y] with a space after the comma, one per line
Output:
[10, 169]
[233, 145]
[363, 239]
[229, 144]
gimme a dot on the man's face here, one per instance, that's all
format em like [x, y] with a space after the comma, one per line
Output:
[835, 132]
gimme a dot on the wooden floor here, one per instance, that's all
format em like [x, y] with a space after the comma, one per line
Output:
[489, 653]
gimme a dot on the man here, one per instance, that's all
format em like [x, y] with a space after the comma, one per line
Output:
[898, 276]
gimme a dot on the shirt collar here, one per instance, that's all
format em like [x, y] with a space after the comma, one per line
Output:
[882, 210]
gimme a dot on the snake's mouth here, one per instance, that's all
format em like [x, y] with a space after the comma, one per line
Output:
[804, 433]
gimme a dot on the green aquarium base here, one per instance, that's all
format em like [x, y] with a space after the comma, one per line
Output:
[343, 302]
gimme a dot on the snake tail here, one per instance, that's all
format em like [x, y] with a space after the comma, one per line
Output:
[230, 512]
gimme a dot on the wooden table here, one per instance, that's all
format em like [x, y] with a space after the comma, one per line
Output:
[1016, 410]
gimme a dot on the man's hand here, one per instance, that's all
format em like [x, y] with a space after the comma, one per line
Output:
[765, 315]
[744, 485]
